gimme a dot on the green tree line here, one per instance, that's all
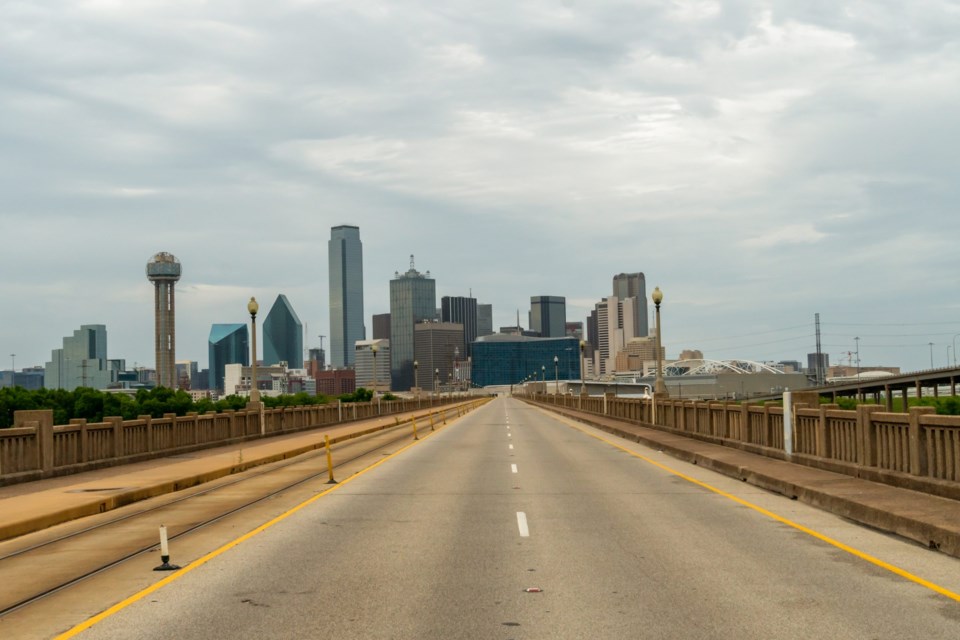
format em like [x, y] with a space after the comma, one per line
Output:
[93, 405]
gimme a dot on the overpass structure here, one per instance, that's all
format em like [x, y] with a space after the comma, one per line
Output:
[882, 390]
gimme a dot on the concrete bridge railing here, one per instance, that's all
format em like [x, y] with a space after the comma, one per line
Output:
[918, 449]
[36, 448]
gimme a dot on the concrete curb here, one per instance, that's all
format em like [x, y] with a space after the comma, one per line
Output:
[924, 532]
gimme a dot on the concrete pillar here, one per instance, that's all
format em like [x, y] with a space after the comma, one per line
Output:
[43, 422]
[918, 444]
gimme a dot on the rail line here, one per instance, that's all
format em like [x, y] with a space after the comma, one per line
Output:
[140, 548]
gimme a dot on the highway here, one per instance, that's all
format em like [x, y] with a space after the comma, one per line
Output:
[512, 523]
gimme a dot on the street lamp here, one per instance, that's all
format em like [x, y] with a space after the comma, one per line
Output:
[955, 348]
[583, 385]
[543, 378]
[456, 365]
[416, 384]
[931, 355]
[556, 375]
[660, 387]
[436, 382]
[253, 307]
[374, 348]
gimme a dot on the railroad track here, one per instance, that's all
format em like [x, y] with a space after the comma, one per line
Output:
[134, 534]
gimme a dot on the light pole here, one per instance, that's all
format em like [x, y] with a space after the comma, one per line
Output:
[955, 348]
[583, 382]
[556, 375]
[543, 378]
[436, 382]
[857, 341]
[253, 307]
[931, 355]
[374, 348]
[13, 370]
[456, 366]
[416, 383]
[583, 386]
[660, 387]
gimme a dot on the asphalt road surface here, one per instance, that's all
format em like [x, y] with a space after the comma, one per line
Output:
[511, 523]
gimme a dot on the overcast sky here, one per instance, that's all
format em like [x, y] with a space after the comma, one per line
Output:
[759, 161]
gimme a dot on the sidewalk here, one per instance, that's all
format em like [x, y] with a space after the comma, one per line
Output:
[32, 506]
[930, 520]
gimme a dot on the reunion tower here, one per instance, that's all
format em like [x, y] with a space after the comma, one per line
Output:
[163, 271]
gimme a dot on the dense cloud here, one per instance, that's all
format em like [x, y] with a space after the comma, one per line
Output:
[760, 161]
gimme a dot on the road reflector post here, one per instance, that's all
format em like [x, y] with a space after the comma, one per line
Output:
[414, 422]
[165, 553]
[326, 443]
[788, 422]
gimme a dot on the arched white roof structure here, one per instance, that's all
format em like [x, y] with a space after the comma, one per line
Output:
[701, 367]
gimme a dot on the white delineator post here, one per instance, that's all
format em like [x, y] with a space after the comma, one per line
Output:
[165, 552]
[788, 422]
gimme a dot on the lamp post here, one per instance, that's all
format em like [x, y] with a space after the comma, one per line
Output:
[416, 383]
[253, 307]
[583, 384]
[660, 387]
[955, 348]
[436, 382]
[931, 355]
[543, 378]
[556, 375]
[374, 348]
[456, 366]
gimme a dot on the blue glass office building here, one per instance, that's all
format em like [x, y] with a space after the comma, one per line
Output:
[228, 344]
[503, 359]
[283, 335]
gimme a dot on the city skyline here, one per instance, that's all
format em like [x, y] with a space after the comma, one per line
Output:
[760, 162]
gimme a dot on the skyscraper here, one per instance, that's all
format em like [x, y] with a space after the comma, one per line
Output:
[437, 348]
[283, 335]
[548, 316]
[381, 326]
[163, 270]
[228, 344]
[462, 311]
[413, 299]
[633, 285]
[82, 361]
[345, 255]
[484, 320]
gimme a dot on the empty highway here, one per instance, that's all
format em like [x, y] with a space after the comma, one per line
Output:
[513, 523]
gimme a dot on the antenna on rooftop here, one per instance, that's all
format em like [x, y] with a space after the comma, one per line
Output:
[411, 263]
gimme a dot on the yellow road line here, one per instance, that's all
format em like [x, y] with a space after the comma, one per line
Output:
[790, 523]
[216, 552]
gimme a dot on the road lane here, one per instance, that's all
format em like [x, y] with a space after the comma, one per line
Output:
[430, 544]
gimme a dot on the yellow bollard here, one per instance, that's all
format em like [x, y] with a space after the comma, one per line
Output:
[431, 421]
[414, 421]
[326, 442]
[444, 416]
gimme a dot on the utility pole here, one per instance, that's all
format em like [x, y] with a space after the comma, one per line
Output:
[819, 355]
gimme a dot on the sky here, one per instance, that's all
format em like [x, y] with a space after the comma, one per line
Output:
[759, 161]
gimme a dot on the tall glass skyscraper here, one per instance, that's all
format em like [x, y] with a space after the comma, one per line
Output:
[633, 285]
[345, 255]
[413, 299]
[283, 335]
[462, 311]
[548, 316]
[228, 344]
